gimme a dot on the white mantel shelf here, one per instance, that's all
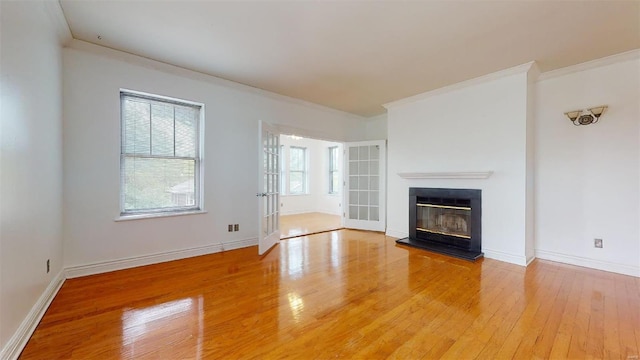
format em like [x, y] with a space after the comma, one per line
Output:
[447, 175]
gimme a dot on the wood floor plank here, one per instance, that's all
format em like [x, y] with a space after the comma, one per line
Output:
[535, 338]
[295, 225]
[562, 340]
[627, 302]
[612, 325]
[533, 301]
[545, 340]
[344, 294]
[579, 339]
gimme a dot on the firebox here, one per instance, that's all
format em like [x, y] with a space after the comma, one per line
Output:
[446, 221]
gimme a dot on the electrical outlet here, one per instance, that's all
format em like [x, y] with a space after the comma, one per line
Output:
[48, 266]
[230, 228]
[597, 243]
[236, 227]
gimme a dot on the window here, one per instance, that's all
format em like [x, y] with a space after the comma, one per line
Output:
[160, 155]
[283, 183]
[334, 175]
[297, 170]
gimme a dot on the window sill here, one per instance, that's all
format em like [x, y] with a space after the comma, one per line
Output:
[286, 195]
[158, 215]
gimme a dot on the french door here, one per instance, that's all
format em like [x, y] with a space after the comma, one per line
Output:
[268, 187]
[365, 189]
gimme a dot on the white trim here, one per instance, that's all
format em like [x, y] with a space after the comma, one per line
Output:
[297, 212]
[505, 257]
[397, 233]
[529, 261]
[54, 10]
[157, 215]
[625, 56]
[127, 263]
[18, 341]
[367, 225]
[488, 253]
[447, 175]
[589, 263]
[165, 67]
[520, 69]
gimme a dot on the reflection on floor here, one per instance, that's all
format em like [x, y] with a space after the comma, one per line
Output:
[308, 223]
[342, 294]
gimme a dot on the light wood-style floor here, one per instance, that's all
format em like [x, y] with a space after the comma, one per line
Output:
[308, 223]
[343, 294]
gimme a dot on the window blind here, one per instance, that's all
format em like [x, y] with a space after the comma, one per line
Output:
[160, 155]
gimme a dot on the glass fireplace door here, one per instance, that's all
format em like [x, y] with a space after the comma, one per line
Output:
[444, 220]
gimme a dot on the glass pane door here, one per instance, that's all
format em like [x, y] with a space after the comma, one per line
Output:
[269, 179]
[365, 185]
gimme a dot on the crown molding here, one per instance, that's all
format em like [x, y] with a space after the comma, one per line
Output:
[609, 60]
[150, 63]
[55, 13]
[534, 73]
[520, 69]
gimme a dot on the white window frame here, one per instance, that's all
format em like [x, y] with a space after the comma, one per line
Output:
[198, 206]
[333, 168]
[304, 171]
[283, 171]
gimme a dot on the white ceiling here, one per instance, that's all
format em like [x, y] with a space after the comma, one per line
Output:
[356, 56]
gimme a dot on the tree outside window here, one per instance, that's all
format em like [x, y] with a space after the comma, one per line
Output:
[160, 154]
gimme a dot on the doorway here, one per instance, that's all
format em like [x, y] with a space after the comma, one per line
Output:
[311, 186]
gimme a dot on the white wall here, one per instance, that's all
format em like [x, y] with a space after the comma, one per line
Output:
[318, 199]
[93, 77]
[376, 127]
[31, 158]
[554, 183]
[478, 127]
[588, 177]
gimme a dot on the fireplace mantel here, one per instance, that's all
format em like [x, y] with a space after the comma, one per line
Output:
[447, 175]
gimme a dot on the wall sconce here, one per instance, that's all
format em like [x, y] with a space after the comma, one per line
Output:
[586, 117]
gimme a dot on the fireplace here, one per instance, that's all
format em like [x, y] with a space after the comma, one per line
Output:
[446, 221]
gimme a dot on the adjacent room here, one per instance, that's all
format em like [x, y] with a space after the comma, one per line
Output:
[310, 186]
[353, 179]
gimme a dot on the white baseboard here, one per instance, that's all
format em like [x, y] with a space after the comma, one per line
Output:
[530, 260]
[590, 263]
[396, 233]
[322, 211]
[488, 253]
[120, 264]
[239, 244]
[506, 257]
[331, 211]
[296, 212]
[18, 341]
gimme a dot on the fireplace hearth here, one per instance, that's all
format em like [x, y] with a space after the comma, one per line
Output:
[446, 221]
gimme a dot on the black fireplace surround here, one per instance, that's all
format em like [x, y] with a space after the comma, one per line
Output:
[446, 221]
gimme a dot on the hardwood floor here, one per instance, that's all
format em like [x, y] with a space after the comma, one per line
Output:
[308, 223]
[343, 294]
